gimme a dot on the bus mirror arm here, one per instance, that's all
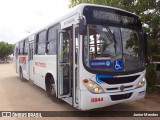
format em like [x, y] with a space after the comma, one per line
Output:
[82, 26]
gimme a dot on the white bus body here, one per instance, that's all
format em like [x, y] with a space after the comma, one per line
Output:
[86, 58]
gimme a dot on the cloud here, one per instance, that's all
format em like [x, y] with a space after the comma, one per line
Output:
[18, 17]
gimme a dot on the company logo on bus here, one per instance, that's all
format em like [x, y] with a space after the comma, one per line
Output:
[122, 87]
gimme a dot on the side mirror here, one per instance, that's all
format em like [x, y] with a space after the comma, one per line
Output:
[82, 26]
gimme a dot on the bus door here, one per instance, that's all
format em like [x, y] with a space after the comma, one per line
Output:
[68, 50]
[30, 60]
[64, 64]
[75, 65]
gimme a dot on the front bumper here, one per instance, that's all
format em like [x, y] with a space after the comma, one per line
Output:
[91, 101]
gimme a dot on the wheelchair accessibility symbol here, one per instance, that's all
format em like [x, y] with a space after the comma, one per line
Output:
[118, 65]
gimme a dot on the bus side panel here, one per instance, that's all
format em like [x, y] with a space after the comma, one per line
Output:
[44, 64]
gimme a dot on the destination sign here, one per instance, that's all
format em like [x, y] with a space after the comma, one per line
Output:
[104, 15]
[107, 15]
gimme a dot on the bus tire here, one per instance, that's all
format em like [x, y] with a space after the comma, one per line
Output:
[21, 75]
[52, 90]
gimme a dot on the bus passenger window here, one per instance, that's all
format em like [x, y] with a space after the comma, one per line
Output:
[40, 43]
[64, 48]
[51, 41]
[25, 47]
[21, 44]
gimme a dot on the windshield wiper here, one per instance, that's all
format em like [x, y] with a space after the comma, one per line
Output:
[111, 38]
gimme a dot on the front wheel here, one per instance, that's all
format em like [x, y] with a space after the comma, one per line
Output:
[52, 90]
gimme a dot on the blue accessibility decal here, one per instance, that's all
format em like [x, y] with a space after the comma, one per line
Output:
[118, 65]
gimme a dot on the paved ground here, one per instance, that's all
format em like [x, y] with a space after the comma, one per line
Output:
[25, 96]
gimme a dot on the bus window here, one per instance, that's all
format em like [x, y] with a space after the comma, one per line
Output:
[25, 46]
[40, 43]
[51, 41]
[112, 43]
[21, 44]
[64, 48]
[77, 45]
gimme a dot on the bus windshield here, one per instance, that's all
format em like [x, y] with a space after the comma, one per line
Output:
[110, 48]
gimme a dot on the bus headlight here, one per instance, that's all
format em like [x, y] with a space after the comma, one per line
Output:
[92, 86]
[141, 83]
[96, 90]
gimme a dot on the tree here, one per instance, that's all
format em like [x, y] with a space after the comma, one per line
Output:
[5, 49]
[147, 10]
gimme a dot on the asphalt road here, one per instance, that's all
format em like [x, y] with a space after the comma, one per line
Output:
[25, 96]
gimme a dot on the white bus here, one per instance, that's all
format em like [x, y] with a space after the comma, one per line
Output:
[92, 57]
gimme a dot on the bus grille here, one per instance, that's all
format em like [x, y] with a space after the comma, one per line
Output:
[113, 89]
[119, 80]
[120, 97]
